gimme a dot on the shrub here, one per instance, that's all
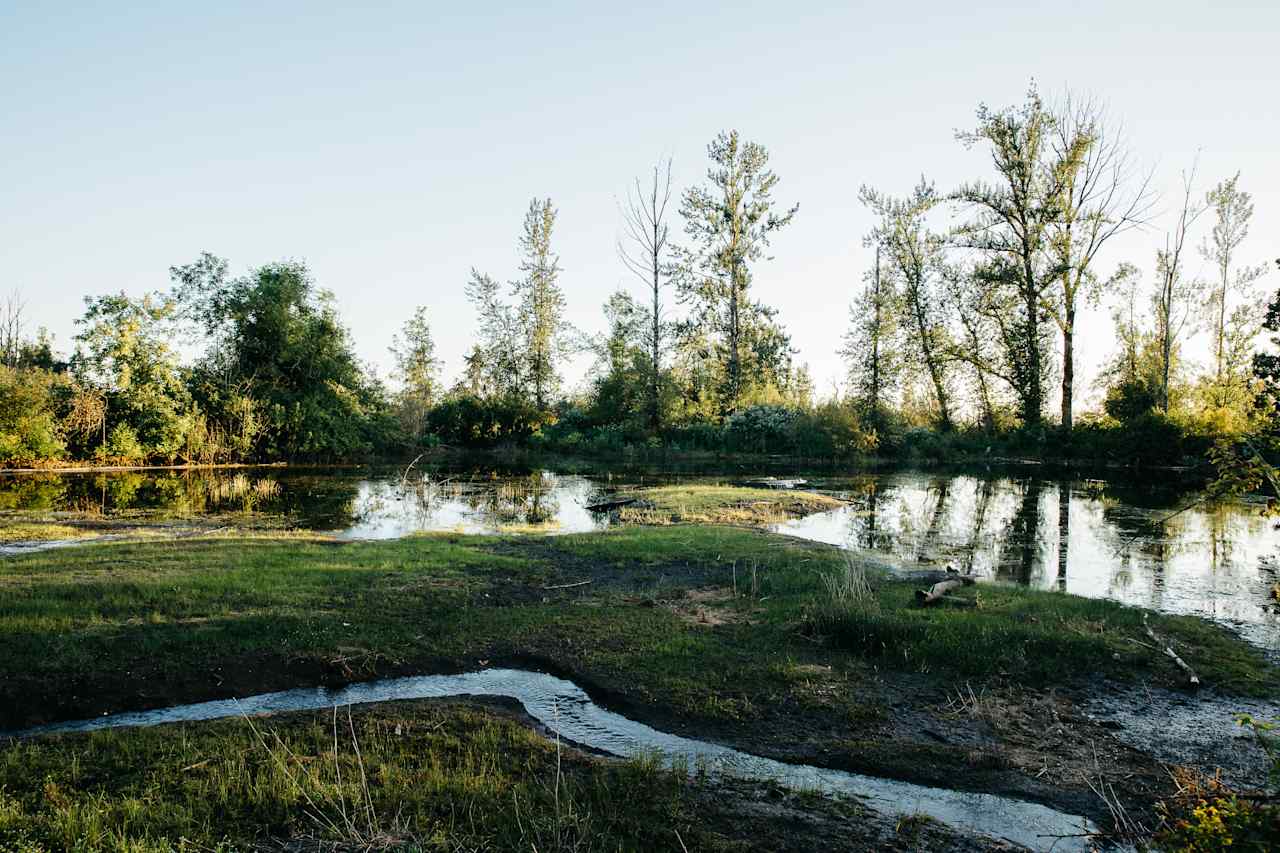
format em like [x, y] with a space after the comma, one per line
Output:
[28, 427]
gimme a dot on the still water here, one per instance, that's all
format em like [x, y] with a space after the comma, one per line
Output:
[1140, 543]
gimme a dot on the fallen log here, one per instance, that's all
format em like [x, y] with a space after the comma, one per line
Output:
[605, 506]
[939, 590]
[1192, 678]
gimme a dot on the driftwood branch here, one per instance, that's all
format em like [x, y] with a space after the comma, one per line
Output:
[938, 592]
[1168, 650]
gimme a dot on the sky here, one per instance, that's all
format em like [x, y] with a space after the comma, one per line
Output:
[394, 146]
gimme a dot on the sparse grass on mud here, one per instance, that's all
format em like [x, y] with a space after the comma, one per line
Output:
[708, 504]
[415, 775]
[781, 666]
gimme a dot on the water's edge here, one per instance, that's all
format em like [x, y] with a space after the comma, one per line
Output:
[563, 707]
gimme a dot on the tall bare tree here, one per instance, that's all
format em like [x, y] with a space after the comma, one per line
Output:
[644, 250]
[1174, 298]
[12, 328]
[1101, 197]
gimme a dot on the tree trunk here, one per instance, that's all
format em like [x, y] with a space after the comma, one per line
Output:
[1068, 365]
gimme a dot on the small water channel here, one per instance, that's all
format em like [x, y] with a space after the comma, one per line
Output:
[564, 708]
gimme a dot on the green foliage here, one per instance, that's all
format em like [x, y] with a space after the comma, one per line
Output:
[1131, 400]
[730, 221]
[28, 426]
[280, 376]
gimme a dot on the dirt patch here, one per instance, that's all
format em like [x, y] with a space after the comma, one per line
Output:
[708, 607]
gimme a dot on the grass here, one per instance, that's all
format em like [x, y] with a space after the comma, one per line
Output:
[105, 625]
[426, 776]
[1031, 637]
[710, 504]
[803, 666]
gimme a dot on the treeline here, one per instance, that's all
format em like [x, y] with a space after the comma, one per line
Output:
[973, 304]
[966, 321]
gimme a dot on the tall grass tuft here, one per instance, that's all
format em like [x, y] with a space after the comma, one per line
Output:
[848, 587]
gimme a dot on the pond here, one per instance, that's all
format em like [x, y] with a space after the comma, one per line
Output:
[1140, 543]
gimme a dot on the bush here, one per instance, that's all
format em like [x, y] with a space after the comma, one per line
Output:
[123, 447]
[760, 429]
[28, 426]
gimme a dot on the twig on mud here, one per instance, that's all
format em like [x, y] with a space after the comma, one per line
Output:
[568, 585]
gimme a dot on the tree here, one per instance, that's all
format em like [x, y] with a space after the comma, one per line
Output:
[729, 222]
[494, 367]
[280, 369]
[1097, 202]
[915, 256]
[1266, 365]
[12, 329]
[622, 370]
[124, 350]
[976, 307]
[1012, 225]
[417, 370]
[1174, 298]
[540, 303]
[1232, 330]
[871, 345]
[644, 251]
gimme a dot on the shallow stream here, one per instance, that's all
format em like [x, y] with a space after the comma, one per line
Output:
[565, 709]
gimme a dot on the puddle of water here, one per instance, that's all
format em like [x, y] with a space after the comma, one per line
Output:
[565, 708]
[1090, 538]
[539, 503]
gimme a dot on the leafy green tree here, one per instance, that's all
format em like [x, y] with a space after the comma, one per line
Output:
[281, 360]
[620, 391]
[540, 304]
[915, 256]
[28, 417]
[729, 222]
[418, 371]
[1012, 225]
[124, 349]
[1266, 365]
[494, 367]
[871, 346]
[1232, 307]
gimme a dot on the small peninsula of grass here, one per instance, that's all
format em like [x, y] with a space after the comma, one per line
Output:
[34, 531]
[712, 504]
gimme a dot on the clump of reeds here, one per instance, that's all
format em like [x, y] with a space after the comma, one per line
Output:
[848, 586]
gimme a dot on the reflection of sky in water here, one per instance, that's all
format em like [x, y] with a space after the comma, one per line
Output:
[1213, 562]
[540, 502]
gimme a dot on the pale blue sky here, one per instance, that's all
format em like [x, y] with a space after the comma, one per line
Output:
[395, 146]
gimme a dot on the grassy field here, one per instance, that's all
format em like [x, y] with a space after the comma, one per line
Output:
[721, 632]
